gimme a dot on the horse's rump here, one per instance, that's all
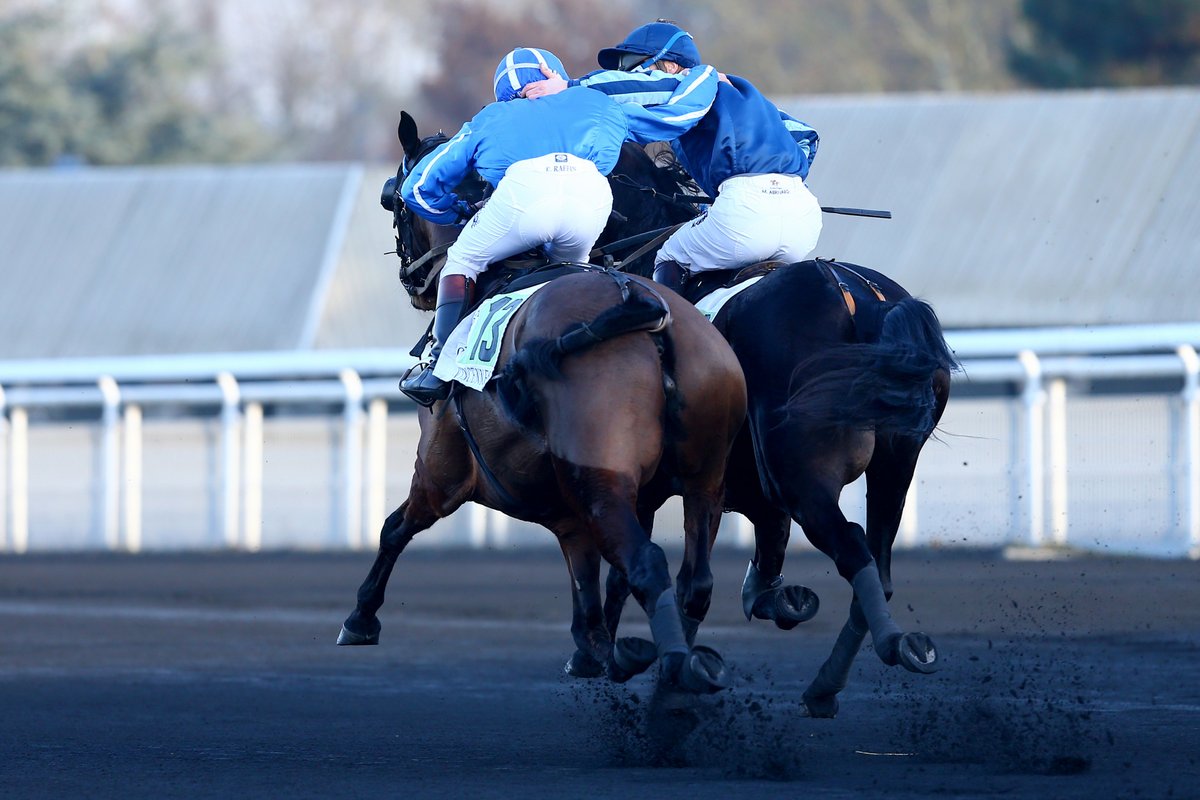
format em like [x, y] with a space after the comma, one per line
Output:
[886, 384]
[820, 345]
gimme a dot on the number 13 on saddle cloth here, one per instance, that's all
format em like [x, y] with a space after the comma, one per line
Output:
[470, 353]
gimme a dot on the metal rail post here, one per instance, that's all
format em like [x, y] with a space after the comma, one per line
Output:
[352, 459]
[1191, 433]
[1034, 400]
[377, 421]
[18, 478]
[1057, 435]
[109, 509]
[252, 480]
[230, 417]
[3, 473]
[479, 526]
[132, 484]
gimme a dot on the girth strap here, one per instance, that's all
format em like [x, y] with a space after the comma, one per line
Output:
[847, 297]
[488, 475]
[870, 284]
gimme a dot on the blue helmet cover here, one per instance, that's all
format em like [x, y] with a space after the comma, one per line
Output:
[521, 66]
[656, 41]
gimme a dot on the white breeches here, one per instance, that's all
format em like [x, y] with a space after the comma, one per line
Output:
[754, 218]
[558, 201]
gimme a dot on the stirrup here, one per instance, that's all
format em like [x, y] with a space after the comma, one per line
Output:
[424, 388]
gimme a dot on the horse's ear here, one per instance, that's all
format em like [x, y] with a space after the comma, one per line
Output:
[406, 132]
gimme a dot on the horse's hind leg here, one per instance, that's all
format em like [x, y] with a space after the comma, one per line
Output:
[593, 644]
[694, 582]
[846, 543]
[889, 475]
[616, 588]
[888, 478]
[626, 545]
[764, 595]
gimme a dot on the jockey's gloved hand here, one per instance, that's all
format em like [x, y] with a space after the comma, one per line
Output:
[464, 210]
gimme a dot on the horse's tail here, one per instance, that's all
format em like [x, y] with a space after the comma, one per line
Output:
[642, 310]
[887, 384]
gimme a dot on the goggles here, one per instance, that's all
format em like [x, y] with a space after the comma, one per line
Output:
[627, 62]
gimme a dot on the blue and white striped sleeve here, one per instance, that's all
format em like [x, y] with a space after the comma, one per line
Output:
[806, 139]
[659, 106]
[429, 189]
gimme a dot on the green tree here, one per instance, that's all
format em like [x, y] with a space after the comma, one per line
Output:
[845, 46]
[474, 36]
[35, 104]
[1107, 43]
[137, 99]
[136, 104]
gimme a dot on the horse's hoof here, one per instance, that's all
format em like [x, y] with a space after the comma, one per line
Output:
[583, 665]
[820, 707]
[349, 637]
[917, 653]
[631, 656]
[703, 671]
[788, 606]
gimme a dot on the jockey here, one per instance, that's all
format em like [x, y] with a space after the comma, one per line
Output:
[547, 160]
[745, 152]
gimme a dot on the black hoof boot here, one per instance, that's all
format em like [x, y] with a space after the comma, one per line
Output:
[425, 388]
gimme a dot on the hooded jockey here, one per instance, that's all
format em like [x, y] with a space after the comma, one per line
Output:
[547, 160]
[745, 152]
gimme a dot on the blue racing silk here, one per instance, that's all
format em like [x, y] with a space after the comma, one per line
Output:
[582, 123]
[577, 121]
[745, 134]
[666, 105]
[740, 132]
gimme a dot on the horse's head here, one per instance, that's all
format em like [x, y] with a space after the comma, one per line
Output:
[421, 244]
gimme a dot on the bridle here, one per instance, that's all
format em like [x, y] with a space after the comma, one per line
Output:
[415, 256]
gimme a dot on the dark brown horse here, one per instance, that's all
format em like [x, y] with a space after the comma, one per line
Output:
[610, 398]
[847, 374]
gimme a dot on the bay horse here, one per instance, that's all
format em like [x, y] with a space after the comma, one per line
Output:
[611, 396]
[847, 374]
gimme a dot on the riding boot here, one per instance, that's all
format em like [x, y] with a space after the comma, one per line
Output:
[670, 274]
[455, 293]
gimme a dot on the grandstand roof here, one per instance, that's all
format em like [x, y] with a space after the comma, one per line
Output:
[1033, 209]
[1066, 208]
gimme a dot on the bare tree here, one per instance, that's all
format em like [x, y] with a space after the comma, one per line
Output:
[474, 36]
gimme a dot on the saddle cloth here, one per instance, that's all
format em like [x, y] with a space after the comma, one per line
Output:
[470, 353]
[712, 303]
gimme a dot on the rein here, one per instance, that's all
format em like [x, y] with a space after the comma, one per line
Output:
[416, 264]
[652, 240]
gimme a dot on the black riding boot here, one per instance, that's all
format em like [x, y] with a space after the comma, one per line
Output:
[455, 293]
[670, 274]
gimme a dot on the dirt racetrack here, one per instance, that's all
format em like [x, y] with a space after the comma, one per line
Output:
[217, 675]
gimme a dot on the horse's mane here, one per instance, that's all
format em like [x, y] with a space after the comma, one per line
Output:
[657, 180]
[649, 192]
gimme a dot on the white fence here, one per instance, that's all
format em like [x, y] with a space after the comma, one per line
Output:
[291, 450]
